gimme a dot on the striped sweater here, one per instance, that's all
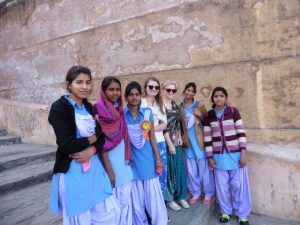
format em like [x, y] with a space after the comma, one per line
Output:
[224, 133]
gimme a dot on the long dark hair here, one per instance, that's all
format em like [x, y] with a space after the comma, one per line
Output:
[158, 97]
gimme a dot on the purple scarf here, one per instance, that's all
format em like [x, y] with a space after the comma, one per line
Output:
[113, 124]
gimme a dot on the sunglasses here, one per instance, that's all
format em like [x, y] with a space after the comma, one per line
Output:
[171, 90]
[151, 87]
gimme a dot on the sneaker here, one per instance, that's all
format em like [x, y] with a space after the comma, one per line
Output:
[173, 205]
[244, 221]
[184, 204]
[169, 219]
[224, 218]
[194, 200]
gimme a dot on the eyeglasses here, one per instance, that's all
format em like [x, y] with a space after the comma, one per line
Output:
[151, 87]
[171, 90]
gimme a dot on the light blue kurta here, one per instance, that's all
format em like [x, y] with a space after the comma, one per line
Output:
[143, 159]
[122, 171]
[194, 151]
[82, 190]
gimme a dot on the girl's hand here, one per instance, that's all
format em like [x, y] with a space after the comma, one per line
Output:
[112, 178]
[92, 139]
[83, 156]
[180, 140]
[212, 163]
[172, 149]
[243, 159]
[158, 167]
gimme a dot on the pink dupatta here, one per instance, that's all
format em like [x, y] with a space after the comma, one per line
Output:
[113, 124]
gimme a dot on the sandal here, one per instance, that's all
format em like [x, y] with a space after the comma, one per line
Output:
[207, 200]
[193, 200]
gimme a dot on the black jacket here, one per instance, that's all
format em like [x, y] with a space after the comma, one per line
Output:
[62, 119]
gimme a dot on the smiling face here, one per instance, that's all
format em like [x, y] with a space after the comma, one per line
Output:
[152, 88]
[113, 92]
[170, 91]
[80, 87]
[219, 98]
[189, 93]
[134, 97]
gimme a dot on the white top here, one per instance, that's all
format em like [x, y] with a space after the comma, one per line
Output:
[158, 116]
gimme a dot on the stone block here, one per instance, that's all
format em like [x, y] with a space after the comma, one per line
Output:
[274, 179]
[27, 120]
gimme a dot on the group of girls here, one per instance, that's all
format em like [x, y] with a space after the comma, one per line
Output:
[123, 164]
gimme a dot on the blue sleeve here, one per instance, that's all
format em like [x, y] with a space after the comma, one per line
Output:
[151, 117]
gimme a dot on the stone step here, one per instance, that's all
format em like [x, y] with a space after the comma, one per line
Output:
[15, 155]
[8, 140]
[28, 206]
[26, 175]
[3, 132]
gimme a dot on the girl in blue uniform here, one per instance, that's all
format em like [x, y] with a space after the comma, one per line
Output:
[116, 152]
[81, 189]
[146, 163]
[200, 179]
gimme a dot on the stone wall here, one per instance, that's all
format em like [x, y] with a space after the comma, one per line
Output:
[251, 47]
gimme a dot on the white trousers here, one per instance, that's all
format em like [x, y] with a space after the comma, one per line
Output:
[105, 213]
[147, 195]
[123, 196]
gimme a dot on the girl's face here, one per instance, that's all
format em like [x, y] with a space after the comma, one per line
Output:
[189, 93]
[170, 91]
[80, 87]
[152, 88]
[113, 92]
[219, 98]
[134, 97]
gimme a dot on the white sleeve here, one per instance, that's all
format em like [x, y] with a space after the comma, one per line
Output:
[160, 116]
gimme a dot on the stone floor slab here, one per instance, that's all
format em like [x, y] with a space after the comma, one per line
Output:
[29, 206]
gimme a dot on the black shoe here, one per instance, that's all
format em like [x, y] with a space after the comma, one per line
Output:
[224, 218]
[244, 221]
[169, 219]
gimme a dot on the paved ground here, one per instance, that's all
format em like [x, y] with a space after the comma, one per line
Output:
[29, 206]
[254, 219]
[24, 190]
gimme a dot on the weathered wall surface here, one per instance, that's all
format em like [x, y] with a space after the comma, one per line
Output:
[29, 120]
[251, 47]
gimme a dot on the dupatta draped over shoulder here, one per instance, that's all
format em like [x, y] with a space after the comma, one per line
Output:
[113, 124]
